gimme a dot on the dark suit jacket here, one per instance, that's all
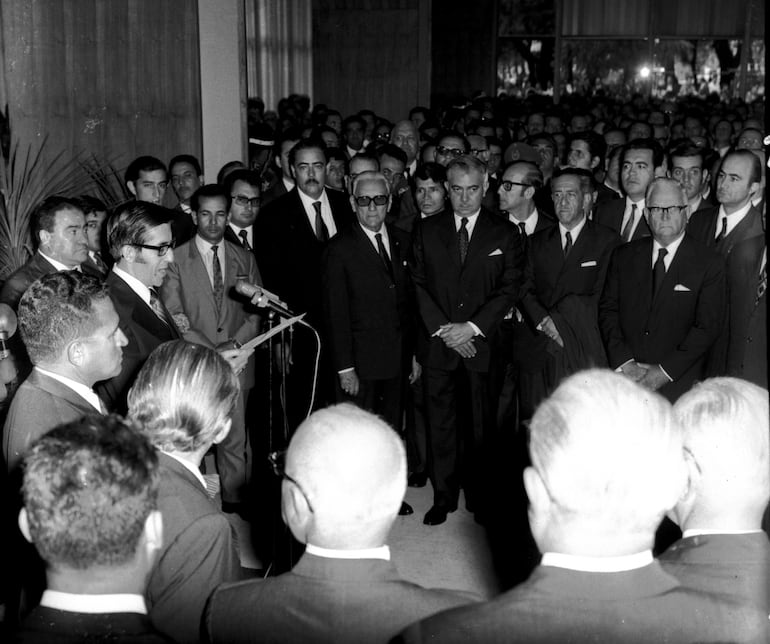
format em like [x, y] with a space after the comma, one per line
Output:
[51, 626]
[40, 404]
[182, 225]
[703, 227]
[737, 565]
[323, 600]
[199, 552]
[278, 189]
[144, 331]
[369, 317]
[610, 214]
[561, 605]
[19, 281]
[680, 326]
[289, 254]
[481, 291]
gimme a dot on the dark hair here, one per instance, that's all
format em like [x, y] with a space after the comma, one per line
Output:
[143, 164]
[89, 204]
[443, 134]
[543, 136]
[353, 118]
[210, 190]
[587, 179]
[44, 215]
[431, 170]
[645, 144]
[130, 223]
[89, 486]
[306, 144]
[186, 158]
[687, 149]
[391, 150]
[756, 164]
[336, 154]
[597, 147]
[242, 174]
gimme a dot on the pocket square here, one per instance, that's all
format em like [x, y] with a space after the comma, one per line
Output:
[497, 251]
[587, 264]
[682, 288]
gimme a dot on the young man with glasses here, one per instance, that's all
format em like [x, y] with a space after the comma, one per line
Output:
[450, 146]
[246, 199]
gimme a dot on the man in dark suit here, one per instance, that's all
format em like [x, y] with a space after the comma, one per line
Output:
[90, 498]
[245, 199]
[467, 271]
[726, 432]
[186, 178]
[344, 478]
[586, 150]
[183, 399]
[141, 243]
[291, 233]
[640, 162]
[199, 289]
[688, 167]
[664, 302]
[285, 182]
[593, 509]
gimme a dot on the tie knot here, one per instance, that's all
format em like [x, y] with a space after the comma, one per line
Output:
[243, 234]
[214, 249]
[662, 252]
[569, 236]
[378, 236]
[523, 228]
[463, 222]
[317, 206]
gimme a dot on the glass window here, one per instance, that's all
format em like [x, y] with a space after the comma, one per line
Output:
[523, 64]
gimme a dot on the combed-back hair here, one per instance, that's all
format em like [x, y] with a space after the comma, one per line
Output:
[186, 158]
[143, 164]
[44, 215]
[131, 222]
[210, 190]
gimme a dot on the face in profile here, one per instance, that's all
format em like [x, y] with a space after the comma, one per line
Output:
[67, 242]
[103, 349]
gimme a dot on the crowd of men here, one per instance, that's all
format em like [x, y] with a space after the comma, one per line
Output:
[469, 282]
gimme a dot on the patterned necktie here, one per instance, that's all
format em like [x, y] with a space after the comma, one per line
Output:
[160, 311]
[321, 231]
[762, 284]
[567, 244]
[219, 283]
[658, 272]
[244, 240]
[722, 233]
[463, 240]
[626, 234]
[384, 255]
[100, 262]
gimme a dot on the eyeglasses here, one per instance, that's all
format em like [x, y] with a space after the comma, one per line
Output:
[277, 461]
[243, 201]
[507, 185]
[162, 249]
[449, 151]
[379, 200]
[477, 151]
[671, 210]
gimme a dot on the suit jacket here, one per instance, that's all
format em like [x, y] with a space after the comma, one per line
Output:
[51, 626]
[369, 316]
[40, 404]
[278, 189]
[182, 225]
[323, 600]
[19, 281]
[199, 552]
[234, 239]
[561, 605]
[679, 327]
[289, 254]
[481, 291]
[610, 214]
[737, 565]
[144, 331]
[703, 227]
[187, 291]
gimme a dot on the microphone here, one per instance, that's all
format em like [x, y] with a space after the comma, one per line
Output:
[266, 299]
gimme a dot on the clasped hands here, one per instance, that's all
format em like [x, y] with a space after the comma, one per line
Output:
[651, 376]
[458, 336]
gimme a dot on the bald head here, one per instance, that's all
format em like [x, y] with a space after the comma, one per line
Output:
[351, 467]
[725, 425]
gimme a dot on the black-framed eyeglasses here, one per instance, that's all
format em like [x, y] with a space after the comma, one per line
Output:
[655, 211]
[162, 249]
[243, 201]
[477, 151]
[507, 185]
[455, 152]
[277, 461]
[364, 201]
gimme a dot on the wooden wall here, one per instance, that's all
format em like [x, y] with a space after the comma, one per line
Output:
[371, 54]
[118, 78]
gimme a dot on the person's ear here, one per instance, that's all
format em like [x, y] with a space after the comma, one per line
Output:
[128, 252]
[295, 510]
[529, 192]
[24, 524]
[131, 187]
[353, 203]
[194, 216]
[537, 493]
[76, 353]
[485, 185]
[45, 237]
[223, 432]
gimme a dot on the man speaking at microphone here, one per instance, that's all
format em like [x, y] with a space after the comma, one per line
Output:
[199, 291]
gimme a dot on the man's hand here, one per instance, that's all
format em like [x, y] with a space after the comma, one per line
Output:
[236, 358]
[414, 376]
[456, 333]
[349, 382]
[467, 350]
[655, 377]
[632, 369]
[549, 328]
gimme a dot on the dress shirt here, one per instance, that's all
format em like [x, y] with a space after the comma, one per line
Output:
[84, 391]
[733, 219]
[671, 248]
[288, 183]
[383, 552]
[58, 265]
[204, 248]
[694, 532]
[185, 208]
[615, 190]
[136, 286]
[598, 564]
[190, 466]
[77, 603]
[411, 168]
[385, 239]
[574, 233]
[470, 225]
[351, 152]
[530, 223]
[326, 212]
[627, 214]
[249, 234]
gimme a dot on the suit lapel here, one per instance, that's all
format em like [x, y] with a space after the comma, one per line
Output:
[448, 236]
[482, 234]
[60, 390]
[200, 274]
[369, 254]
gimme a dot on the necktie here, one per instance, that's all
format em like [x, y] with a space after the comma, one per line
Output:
[463, 240]
[658, 272]
[723, 232]
[244, 240]
[523, 229]
[568, 244]
[219, 284]
[626, 234]
[321, 232]
[762, 285]
[384, 255]
[100, 262]
[157, 307]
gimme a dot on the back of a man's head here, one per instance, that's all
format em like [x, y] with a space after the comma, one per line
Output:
[89, 488]
[351, 467]
[725, 425]
[607, 464]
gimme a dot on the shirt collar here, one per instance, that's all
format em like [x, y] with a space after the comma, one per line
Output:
[598, 564]
[383, 552]
[288, 183]
[371, 235]
[694, 532]
[204, 246]
[307, 202]
[136, 286]
[530, 223]
[733, 219]
[58, 265]
[639, 205]
[84, 391]
[671, 248]
[574, 233]
[195, 471]
[75, 603]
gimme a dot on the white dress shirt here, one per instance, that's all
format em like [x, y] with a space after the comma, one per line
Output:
[249, 234]
[326, 211]
[627, 215]
[383, 552]
[204, 248]
[93, 604]
[134, 284]
[733, 219]
[84, 391]
[598, 564]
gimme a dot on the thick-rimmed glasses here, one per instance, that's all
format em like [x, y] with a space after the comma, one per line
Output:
[277, 461]
[364, 201]
[507, 185]
[243, 201]
[655, 211]
[161, 250]
[455, 152]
